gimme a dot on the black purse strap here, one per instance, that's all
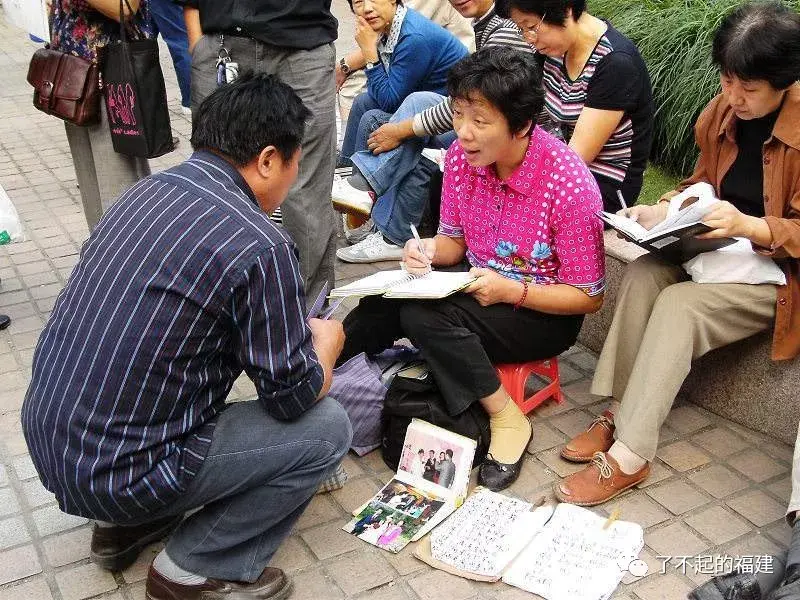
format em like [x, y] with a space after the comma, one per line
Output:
[123, 22]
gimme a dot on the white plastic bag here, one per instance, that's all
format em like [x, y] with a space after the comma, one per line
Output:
[9, 219]
[737, 263]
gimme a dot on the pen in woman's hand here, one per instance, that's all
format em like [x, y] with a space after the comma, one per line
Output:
[420, 245]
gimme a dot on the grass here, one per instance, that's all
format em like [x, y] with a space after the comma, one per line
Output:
[657, 181]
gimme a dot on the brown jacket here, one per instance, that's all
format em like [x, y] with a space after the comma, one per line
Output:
[715, 133]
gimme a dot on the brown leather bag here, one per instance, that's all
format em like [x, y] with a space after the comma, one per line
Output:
[65, 86]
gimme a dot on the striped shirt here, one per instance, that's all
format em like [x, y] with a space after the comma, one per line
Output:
[613, 78]
[490, 30]
[184, 284]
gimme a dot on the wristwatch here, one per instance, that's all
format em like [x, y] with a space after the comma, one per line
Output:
[345, 68]
[371, 65]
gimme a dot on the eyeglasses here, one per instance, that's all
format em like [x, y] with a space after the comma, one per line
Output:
[533, 32]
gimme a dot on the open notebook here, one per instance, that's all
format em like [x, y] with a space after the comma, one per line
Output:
[674, 238]
[401, 284]
[560, 553]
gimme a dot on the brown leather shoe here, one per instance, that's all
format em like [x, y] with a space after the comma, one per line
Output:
[598, 437]
[116, 548]
[599, 482]
[272, 584]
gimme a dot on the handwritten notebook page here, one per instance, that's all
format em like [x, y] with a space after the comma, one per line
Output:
[574, 558]
[479, 536]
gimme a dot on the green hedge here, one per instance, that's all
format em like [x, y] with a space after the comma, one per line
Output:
[674, 37]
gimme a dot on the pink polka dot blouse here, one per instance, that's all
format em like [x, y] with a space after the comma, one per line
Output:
[540, 224]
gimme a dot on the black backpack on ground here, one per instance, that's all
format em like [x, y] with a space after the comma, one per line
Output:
[410, 398]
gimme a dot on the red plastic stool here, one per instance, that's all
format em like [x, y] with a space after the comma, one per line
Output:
[513, 376]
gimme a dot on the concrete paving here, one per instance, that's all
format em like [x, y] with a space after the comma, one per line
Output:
[717, 489]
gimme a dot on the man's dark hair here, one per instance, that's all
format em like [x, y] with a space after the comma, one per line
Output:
[509, 79]
[760, 41]
[553, 11]
[242, 118]
[449, 453]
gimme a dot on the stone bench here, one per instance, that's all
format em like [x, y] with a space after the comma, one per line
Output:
[738, 382]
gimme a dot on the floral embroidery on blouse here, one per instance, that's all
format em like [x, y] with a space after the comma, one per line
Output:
[76, 28]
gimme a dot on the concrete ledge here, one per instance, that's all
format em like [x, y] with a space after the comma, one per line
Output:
[738, 382]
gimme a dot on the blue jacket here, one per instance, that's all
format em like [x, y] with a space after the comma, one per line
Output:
[422, 57]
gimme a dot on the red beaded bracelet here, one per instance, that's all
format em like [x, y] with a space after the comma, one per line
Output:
[524, 295]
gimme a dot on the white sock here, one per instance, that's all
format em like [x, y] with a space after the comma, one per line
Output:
[628, 460]
[168, 569]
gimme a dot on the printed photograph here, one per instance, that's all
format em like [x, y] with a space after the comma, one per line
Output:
[394, 516]
[434, 458]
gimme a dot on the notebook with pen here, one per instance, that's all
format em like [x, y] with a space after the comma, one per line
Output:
[401, 284]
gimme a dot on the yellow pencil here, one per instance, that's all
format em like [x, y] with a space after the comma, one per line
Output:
[612, 517]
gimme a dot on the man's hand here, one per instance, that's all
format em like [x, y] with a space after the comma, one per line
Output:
[328, 340]
[492, 288]
[646, 216]
[367, 39]
[384, 138]
[415, 261]
[727, 221]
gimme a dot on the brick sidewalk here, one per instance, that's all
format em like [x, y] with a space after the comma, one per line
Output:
[716, 487]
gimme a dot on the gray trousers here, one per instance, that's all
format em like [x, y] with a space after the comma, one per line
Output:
[102, 173]
[661, 323]
[255, 482]
[308, 215]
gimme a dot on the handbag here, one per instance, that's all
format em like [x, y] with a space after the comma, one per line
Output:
[65, 86]
[135, 95]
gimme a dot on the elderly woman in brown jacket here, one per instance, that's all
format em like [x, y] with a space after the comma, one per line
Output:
[749, 142]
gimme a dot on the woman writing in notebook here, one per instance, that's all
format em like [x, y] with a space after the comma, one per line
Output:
[750, 154]
[518, 206]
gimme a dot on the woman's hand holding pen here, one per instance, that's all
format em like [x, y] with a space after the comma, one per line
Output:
[646, 216]
[416, 260]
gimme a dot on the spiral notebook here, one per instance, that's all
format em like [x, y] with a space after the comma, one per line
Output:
[401, 284]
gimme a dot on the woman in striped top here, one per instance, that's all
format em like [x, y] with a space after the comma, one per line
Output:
[597, 90]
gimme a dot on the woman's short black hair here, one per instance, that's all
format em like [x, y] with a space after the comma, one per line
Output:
[242, 118]
[760, 41]
[508, 78]
[553, 11]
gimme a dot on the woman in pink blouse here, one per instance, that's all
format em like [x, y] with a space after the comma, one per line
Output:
[519, 206]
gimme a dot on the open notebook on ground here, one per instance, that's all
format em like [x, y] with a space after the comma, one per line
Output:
[561, 552]
[401, 284]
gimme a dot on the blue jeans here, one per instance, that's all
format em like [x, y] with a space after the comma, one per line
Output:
[404, 205]
[388, 169]
[168, 19]
[364, 113]
[256, 480]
